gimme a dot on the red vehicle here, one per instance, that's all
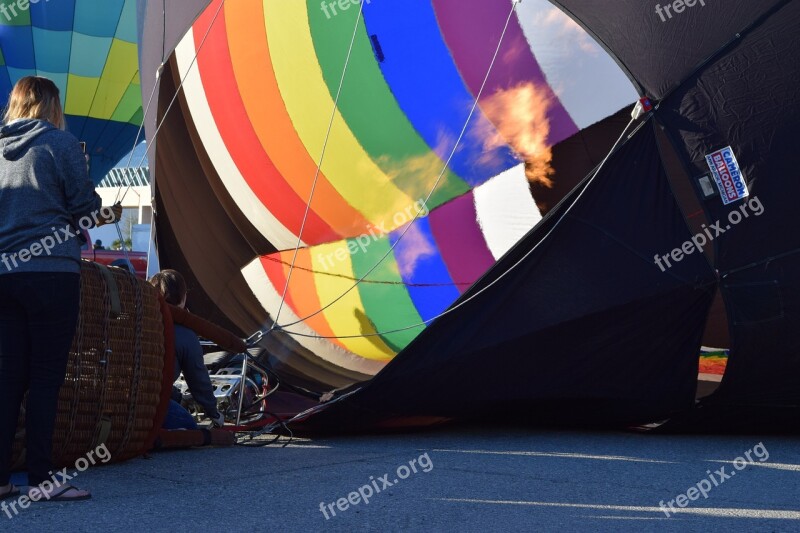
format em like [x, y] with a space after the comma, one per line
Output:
[116, 258]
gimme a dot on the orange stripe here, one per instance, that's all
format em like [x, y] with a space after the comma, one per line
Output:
[259, 90]
[303, 293]
[302, 289]
[241, 141]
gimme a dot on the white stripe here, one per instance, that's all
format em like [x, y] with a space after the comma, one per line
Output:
[776, 466]
[703, 511]
[270, 299]
[506, 210]
[559, 455]
[255, 211]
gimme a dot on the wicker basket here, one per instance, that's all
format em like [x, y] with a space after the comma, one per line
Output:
[118, 378]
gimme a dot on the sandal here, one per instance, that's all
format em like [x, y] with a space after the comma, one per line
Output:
[13, 492]
[61, 495]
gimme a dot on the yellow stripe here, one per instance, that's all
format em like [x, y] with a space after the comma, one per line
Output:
[347, 316]
[347, 165]
[117, 75]
[80, 93]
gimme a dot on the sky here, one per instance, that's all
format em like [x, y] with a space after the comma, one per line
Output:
[139, 158]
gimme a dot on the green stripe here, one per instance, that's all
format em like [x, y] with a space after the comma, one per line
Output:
[388, 305]
[12, 15]
[371, 111]
[137, 117]
[130, 105]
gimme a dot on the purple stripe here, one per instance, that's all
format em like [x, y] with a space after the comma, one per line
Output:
[471, 29]
[460, 240]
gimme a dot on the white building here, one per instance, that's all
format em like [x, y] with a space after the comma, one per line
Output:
[131, 186]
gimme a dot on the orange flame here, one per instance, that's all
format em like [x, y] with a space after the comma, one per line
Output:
[518, 118]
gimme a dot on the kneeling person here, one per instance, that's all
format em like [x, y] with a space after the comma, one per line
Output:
[188, 356]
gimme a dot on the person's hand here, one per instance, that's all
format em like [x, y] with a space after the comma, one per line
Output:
[217, 421]
[115, 210]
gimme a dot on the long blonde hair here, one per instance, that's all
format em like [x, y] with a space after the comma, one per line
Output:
[38, 98]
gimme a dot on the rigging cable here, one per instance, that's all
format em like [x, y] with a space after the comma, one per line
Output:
[319, 167]
[503, 274]
[256, 337]
[161, 122]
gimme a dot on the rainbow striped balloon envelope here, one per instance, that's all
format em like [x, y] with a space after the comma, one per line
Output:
[420, 126]
[89, 49]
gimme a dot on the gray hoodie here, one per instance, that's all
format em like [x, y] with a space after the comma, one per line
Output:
[44, 189]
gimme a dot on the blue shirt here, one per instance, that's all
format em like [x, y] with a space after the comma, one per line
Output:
[189, 360]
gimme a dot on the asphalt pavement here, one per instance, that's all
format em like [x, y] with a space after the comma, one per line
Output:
[452, 479]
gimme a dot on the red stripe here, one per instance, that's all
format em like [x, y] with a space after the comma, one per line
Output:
[241, 140]
[277, 278]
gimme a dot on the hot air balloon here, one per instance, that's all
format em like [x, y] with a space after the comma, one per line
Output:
[92, 55]
[441, 194]
[429, 158]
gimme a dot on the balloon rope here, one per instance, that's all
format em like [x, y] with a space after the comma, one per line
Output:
[158, 129]
[435, 184]
[180, 85]
[371, 281]
[319, 167]
[117, 198]
[177, 91]
[503, 274]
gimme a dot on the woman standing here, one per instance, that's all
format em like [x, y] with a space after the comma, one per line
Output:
[44, 190]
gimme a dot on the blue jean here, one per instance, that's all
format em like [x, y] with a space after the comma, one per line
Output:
[178, 417]
[38, 317]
